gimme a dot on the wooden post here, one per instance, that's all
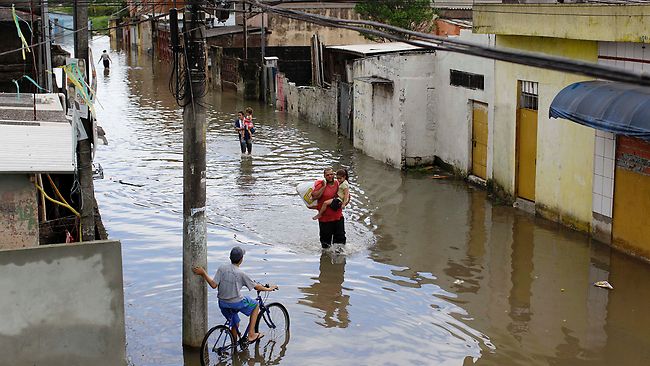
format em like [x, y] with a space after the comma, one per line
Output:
[245, 17]
[195, 299]
[84, 158]
[263, 51]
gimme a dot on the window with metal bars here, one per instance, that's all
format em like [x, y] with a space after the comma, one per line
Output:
[529, 95]
[466, 79]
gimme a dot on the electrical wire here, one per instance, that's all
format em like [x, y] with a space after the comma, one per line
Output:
[429, 41]
[61, 204]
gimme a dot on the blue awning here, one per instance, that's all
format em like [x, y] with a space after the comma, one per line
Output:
[608, 106]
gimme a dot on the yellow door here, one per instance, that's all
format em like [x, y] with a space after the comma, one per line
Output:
[630, 219]
[526, 153]
[479, 139]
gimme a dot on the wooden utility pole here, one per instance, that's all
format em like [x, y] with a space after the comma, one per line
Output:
[84, 158]
[263, 51]
[195, 299]
[153, 32]
[245, 17]
[45, 23]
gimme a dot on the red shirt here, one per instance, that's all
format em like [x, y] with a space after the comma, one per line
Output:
[330, 192]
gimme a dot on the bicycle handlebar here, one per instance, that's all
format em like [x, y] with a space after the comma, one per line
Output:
[267, 286]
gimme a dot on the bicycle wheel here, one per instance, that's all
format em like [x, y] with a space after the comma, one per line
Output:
[274, 323]
[218, 345]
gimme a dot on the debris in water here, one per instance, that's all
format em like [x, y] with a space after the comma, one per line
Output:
[130, 184]
[604, 284]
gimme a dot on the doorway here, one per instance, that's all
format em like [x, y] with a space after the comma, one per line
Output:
[479, 139]
[526, 154]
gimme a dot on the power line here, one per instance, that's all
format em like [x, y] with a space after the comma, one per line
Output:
[453, 45]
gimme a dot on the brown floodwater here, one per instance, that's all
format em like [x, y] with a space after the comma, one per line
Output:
[433, 273]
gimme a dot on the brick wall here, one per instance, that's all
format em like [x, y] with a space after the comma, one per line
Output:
[633, 154]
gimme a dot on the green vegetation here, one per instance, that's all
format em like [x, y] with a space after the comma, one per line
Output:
[100, 22]
[415, 15]
[97, 14]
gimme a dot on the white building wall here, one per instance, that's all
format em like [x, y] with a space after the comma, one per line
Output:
[391, 122]
[452, 114]
[377, 134]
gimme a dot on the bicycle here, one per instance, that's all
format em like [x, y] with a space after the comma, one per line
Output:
[219, 343]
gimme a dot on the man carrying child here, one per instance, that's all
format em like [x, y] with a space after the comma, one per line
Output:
[331, 224]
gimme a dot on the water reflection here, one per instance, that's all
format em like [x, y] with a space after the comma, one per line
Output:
[521, 276]
[246, 178]
[326, 294]
[265, 352]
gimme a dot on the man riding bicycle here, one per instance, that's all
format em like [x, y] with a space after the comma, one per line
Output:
[228, 281]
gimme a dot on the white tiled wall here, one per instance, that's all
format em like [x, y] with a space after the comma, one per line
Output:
[629, 56]
[604, 159]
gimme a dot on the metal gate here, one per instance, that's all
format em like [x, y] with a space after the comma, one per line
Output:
[229, 71]
[345, 110]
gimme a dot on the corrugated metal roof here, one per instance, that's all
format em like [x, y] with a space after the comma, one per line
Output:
[376, 48]
[461, 4]
[28, 145]
[463, 23]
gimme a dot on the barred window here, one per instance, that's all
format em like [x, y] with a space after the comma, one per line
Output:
[466, 79]
[529, 94]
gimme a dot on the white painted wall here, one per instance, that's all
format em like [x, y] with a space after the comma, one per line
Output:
[377, 128]
[391, 124]
[452, 113]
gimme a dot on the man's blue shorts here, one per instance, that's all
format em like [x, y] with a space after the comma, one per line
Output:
[231, 309]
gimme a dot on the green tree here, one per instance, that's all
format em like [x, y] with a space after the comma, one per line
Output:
[415, 15]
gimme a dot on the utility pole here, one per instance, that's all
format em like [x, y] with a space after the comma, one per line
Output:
[153, 32]
[195, 296]
[245, 17]
[84, 158]
[45, 21]
[263, 51]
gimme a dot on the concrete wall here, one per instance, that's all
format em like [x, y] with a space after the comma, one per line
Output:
[62, 305]
[576, 21]
[18, 212]
[452, 112]
[378, 130]
[291, 32]
[564, 172]
[312, 104]
[145, 41]
[393, 123]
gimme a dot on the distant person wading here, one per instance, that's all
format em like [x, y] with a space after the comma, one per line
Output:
[245, 128]
[106, 59]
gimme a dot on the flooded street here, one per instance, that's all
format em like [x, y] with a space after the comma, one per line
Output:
[433, 273]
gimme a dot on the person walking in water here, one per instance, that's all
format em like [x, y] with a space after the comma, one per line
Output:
[331, 224]
[239, 127]
[106, 59]
[248, 131]
[343, 195]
